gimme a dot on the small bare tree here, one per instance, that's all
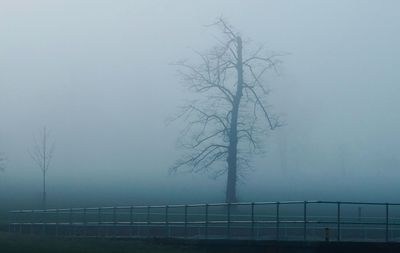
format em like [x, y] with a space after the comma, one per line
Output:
[222, 130]
[42, 154]
[2, 162]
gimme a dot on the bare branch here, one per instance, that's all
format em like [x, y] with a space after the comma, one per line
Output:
[211, 117]
[196, 160]
[272, 124]
[226, 28]
[211, 78]
[42, 151]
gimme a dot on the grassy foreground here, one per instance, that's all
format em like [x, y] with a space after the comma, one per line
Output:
[11, 243]
[17, 243]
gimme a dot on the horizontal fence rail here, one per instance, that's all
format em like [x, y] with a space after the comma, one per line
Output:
[284, 220]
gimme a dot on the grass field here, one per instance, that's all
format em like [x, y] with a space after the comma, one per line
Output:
[14, 243]
[10, 243]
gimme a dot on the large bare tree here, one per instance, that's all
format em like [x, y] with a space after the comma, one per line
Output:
[228, 120]
[42, 153]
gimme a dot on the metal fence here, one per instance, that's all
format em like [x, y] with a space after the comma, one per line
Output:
[285, 220]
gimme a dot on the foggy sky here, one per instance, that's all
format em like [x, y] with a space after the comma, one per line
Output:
[98, 75]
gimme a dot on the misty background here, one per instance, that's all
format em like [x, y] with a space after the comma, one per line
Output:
[98, 75]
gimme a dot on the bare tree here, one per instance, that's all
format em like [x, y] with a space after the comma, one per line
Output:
[223, 127]
[42, 154]
[2, 162]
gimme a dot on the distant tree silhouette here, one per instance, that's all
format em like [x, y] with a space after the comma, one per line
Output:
[222, 130]
[2, 162]
[42, 154]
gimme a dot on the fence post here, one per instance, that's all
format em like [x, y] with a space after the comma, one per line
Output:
[115, 221]
[57, 220]
[70, 222]
[252, 220]
[114, 215]
[166, 221]
[186, 210]
[206, 222]
[98, 221]
[387, 223]
[305, 221]
[228, 219]
[14, 221]
[277, 221]
[131, 220]
[131, 215]
[20, 221]
[338, 220]
[17, 219]
[44, 222]
[10, 220]
[32, 221]
[85, 221]
[148, 221]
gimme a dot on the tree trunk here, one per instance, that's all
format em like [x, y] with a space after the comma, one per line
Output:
[44, 191]
[233, 136]
[44, 167]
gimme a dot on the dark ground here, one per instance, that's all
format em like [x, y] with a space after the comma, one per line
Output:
[14, 243]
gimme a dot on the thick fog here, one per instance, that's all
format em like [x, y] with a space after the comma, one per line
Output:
[98, 75]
